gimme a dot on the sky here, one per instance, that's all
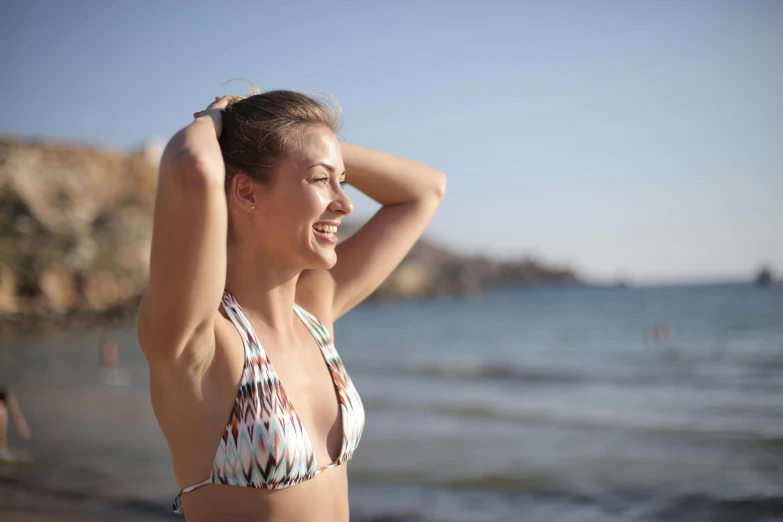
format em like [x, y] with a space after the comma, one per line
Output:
[623, 139]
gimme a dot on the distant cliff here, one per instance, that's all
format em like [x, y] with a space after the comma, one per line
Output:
[431, 271]
[74, 228]
[75, 232]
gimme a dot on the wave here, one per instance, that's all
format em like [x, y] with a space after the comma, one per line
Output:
[491, 372]
[529, 482]
[392, 517]
[138, 508]
[673, 508]
[700, 506]
[637, 504]
[773, 444]
[771, 440]
[638, 376]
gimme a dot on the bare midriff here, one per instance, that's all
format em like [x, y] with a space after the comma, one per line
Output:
[323, 498]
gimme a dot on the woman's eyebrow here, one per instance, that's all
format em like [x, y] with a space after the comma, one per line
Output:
[326, 166]
[322, 164]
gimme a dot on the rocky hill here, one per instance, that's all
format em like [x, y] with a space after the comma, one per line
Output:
[75, 231]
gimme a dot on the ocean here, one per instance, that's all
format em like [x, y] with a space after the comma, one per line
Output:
[524, 405]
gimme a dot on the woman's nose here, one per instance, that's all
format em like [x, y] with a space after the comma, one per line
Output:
[342, 203]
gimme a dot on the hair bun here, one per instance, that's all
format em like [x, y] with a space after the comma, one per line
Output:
[233, 99]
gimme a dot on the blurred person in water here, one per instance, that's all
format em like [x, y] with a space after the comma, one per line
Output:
[250, 199]
[9, 408]
[113, 375]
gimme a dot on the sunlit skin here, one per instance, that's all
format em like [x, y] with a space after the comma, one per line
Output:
[306, 189]
[274, 256]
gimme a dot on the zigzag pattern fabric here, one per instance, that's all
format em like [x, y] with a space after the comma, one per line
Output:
[264, 444]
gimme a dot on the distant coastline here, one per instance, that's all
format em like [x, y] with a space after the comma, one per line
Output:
[75, 234]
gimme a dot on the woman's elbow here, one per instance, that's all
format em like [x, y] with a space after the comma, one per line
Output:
[439, 184]
[191, 171]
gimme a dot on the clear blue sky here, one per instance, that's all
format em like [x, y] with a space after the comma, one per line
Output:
[636, 139]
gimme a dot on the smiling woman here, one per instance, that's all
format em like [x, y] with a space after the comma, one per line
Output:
[249, 204]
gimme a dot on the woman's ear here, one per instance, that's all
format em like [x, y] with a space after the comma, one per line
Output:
[245, 192]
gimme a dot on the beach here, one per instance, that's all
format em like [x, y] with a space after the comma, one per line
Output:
[523, 405]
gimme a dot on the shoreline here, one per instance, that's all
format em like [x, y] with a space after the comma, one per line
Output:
[22, 502]
[76, 320]
[124, 313]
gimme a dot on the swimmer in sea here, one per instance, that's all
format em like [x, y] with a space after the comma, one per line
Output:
[113, 375]
[9, 408]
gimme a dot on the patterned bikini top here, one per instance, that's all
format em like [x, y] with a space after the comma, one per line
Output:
[264, 444]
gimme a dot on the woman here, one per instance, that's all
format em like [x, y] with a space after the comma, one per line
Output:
[237, 322]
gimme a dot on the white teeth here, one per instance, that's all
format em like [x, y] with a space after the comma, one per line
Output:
[326, 229]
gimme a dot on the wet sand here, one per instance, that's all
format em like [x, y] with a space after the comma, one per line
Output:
[24, 503]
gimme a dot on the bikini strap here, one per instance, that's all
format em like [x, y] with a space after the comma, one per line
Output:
[177, 506]
[316, 327]
[237, 317]
[234, 313]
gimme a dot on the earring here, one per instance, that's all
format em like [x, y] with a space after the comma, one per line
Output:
[252, 207]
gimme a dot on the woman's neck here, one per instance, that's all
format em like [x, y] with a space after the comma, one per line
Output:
[265, 289]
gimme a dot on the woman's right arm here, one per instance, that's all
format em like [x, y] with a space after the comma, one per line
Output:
[188, 258]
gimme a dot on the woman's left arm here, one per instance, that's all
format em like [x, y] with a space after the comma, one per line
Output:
[410, 193]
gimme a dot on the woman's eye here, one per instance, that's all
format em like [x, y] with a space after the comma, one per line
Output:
[343, 183]
[322, 180]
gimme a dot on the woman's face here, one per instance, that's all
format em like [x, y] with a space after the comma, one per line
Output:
[296, 216]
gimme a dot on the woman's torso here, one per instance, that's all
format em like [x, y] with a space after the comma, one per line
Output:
[192, 408]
